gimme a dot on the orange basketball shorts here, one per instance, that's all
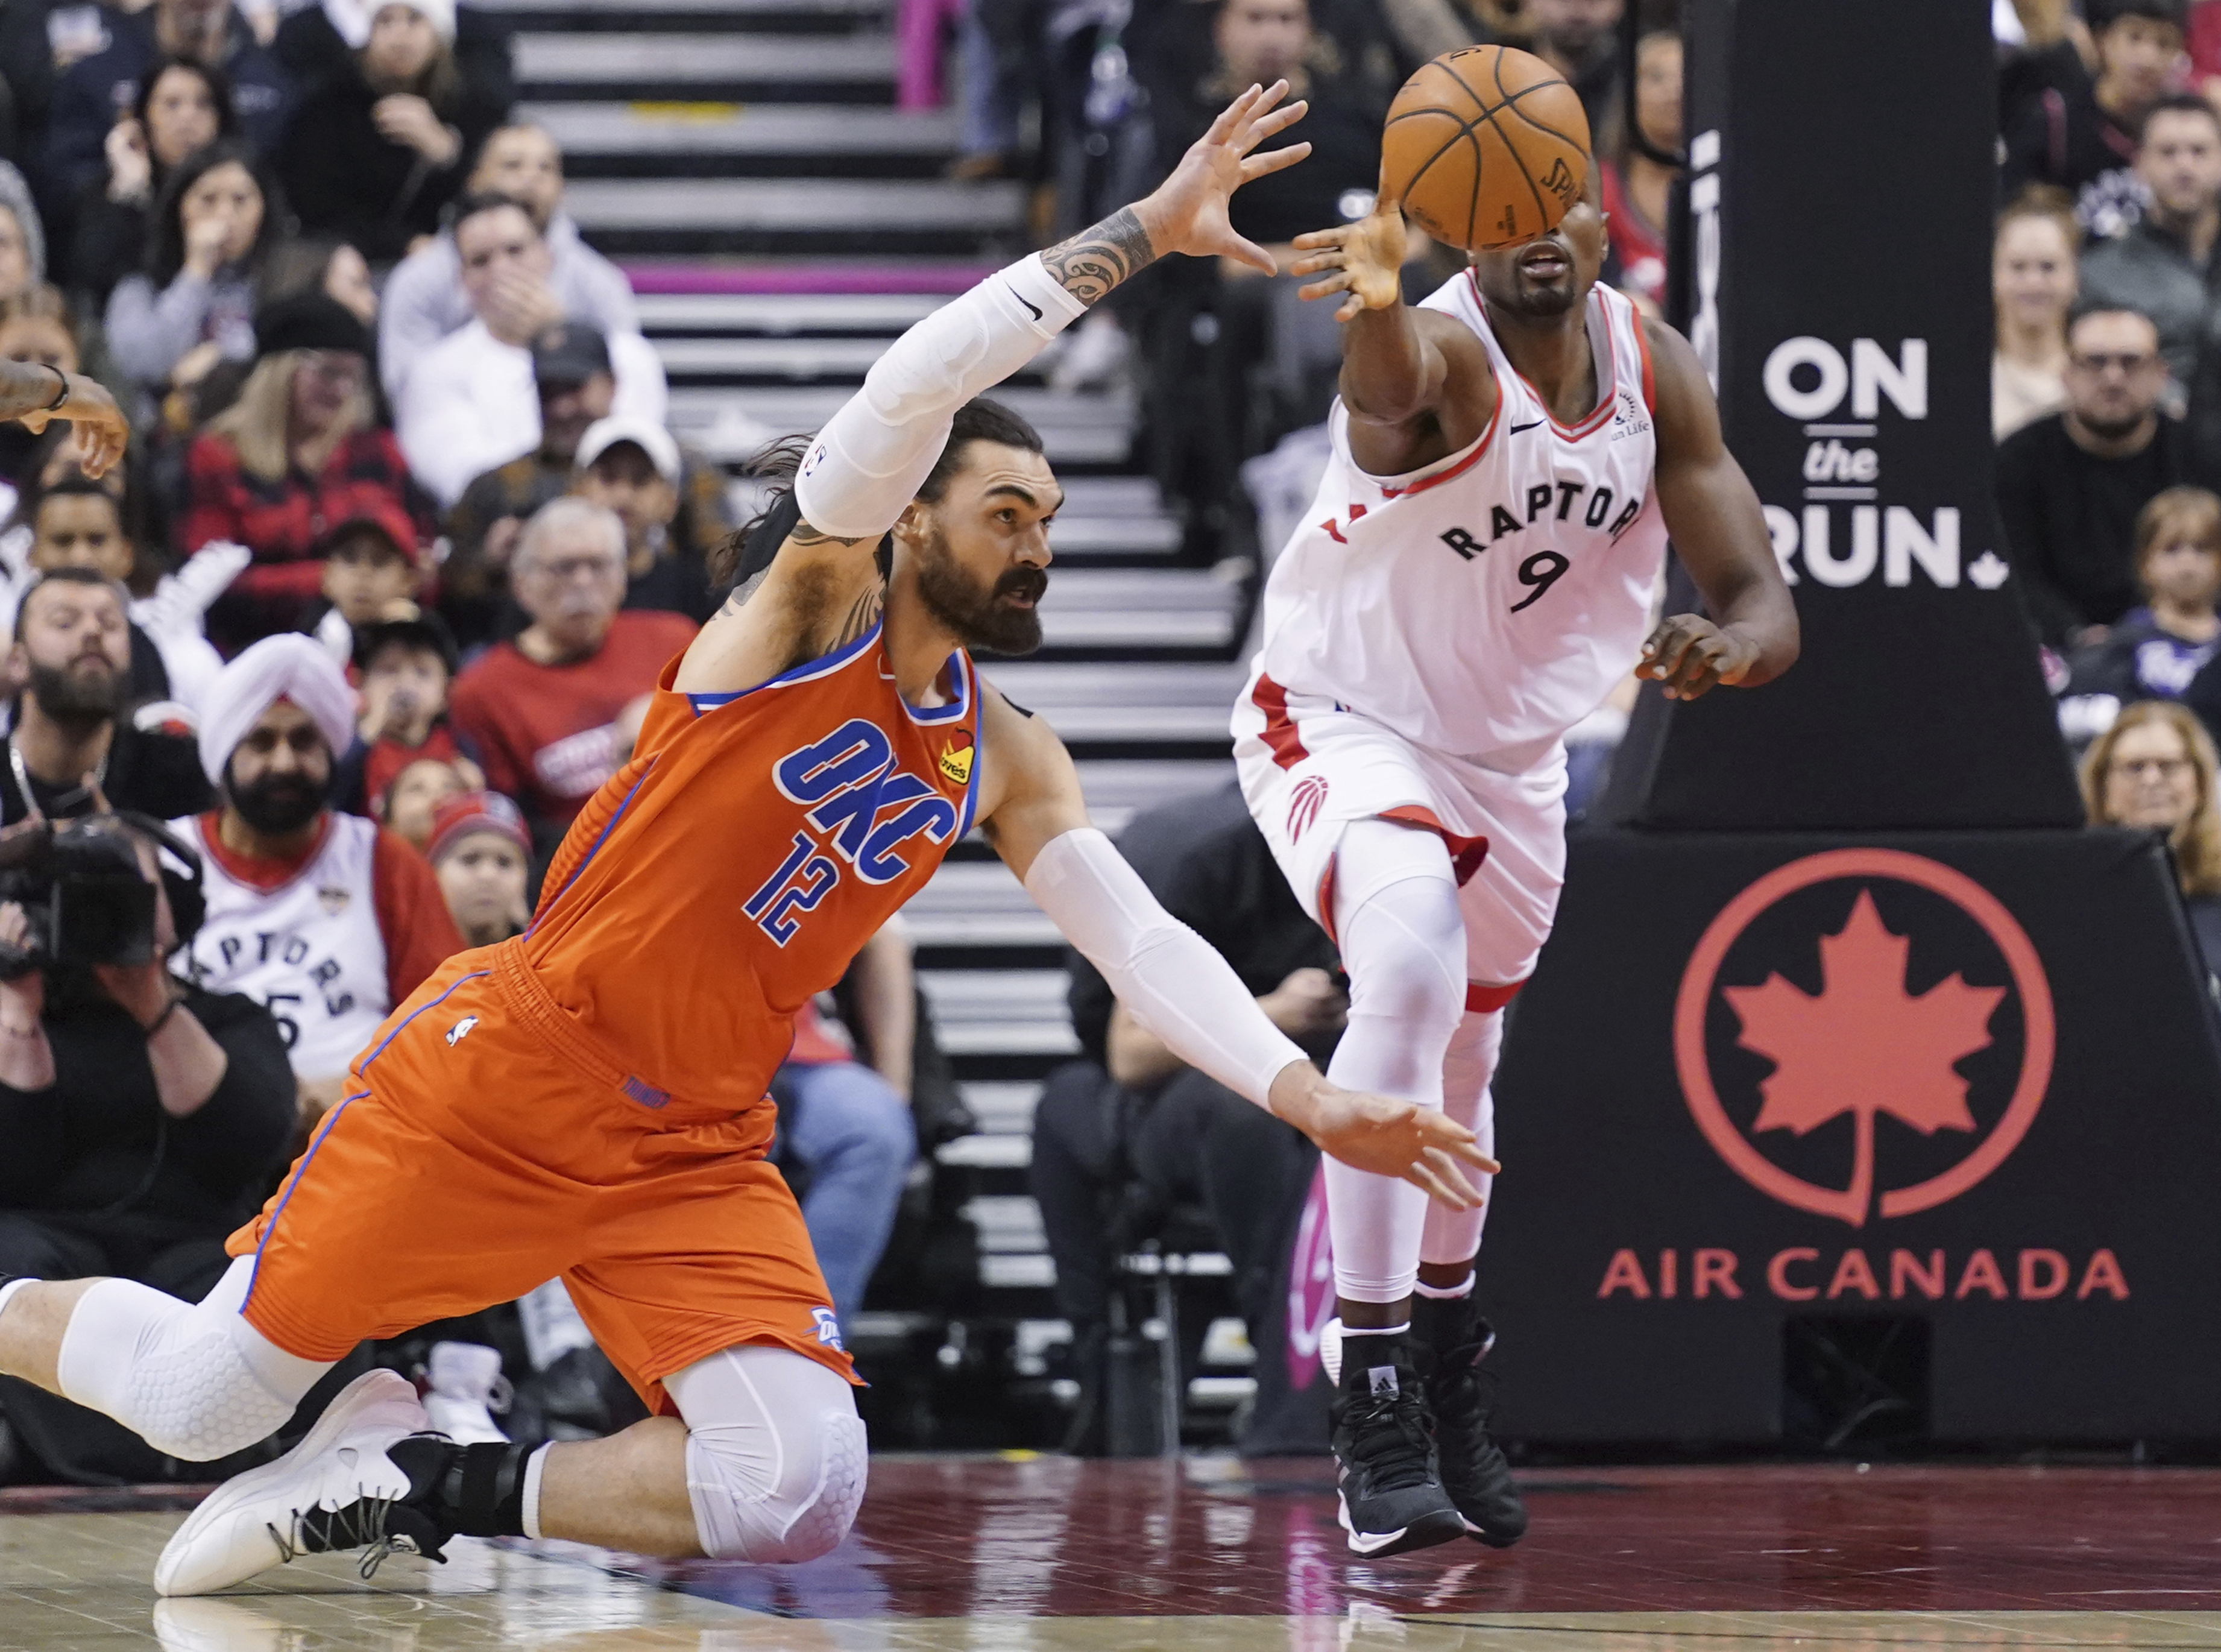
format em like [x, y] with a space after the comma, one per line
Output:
[487, 1145]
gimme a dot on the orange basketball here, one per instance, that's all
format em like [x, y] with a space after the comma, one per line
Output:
[1486, 147]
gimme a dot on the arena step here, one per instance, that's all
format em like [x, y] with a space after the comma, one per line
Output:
[791, 215]
[1157, 704]
[1000, 1011]
[729, 67]
[729, 423]
[634, 16]
[698, 137]
[879, 315]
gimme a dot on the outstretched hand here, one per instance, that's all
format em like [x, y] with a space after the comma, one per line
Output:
[101, 428]
[1187, 213]
[1419, 1145]
[1364, 259]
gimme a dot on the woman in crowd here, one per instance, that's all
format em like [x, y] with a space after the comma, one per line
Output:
[296, 454]
[1636, 187]
[194, 304]
[2032, 277]
[2154, 768]
[483, 854]
[2156, 651]
[183, 106]
[380, 142]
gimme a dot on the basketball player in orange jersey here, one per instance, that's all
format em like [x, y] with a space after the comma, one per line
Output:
[1475, 575]
[588, 1100]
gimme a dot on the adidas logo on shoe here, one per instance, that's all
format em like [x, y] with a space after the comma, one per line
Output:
[1384, 1379]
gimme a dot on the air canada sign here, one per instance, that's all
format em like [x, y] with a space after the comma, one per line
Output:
[1864, 1035]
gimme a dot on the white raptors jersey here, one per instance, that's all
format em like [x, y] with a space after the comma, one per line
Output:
[1484, 604]
[310, 950]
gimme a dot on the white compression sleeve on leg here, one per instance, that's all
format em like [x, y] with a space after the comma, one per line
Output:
[1455, 1235]
[868, 461]
[1402, 941]
[195, 1381]
[1166, 974]
[775, 1453]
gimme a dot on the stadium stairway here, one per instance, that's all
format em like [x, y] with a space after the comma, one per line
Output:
[782, 220]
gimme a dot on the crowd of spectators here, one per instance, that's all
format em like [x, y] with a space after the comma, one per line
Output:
[373, 601]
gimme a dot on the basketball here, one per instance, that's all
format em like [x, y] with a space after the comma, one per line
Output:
[1486, 146]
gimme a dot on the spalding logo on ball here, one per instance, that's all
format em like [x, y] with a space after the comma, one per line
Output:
[1485, 147]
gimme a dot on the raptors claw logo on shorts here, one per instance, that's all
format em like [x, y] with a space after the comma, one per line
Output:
[1305, 803]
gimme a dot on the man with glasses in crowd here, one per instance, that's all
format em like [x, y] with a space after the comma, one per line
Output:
[2069, 484]
[547, 713]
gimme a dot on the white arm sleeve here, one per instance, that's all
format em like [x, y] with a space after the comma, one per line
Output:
[868, 460]
[1166, 974]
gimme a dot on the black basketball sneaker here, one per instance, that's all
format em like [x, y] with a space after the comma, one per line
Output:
[1391, 1485]
[1449, 1341]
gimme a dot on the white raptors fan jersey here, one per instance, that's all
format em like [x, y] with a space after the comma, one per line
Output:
[1484, 605]
[310, 950]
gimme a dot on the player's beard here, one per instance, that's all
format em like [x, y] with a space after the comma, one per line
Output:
[278, 803]
[88, 690]
[977, 613]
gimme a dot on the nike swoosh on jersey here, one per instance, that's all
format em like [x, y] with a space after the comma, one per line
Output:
[1534, 424]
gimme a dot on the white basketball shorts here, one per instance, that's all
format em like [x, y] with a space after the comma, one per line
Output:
[1308, 767]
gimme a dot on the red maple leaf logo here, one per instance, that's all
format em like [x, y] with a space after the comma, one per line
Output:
[1865, 1045]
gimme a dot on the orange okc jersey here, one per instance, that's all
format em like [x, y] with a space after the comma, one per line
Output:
[735, 866]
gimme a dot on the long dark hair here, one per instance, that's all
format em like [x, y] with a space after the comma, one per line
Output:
[749, 551]
[166, 254]
[219, 90]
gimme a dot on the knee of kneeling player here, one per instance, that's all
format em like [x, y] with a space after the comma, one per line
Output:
[798, 1510]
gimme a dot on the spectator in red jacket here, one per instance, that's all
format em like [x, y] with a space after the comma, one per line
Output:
[298, 454]
[543, 712]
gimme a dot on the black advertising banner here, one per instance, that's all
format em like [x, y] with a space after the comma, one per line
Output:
[1841, 187]
[1963, 1077]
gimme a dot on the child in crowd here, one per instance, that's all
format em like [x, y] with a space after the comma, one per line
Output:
[408, 805]
[402, 668]
[370, 572]
[482, 852]
[2156, 651]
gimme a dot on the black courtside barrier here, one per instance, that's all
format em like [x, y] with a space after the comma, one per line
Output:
[1860, 1084]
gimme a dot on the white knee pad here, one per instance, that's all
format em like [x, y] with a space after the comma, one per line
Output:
[775, 1455]
[195, 1381]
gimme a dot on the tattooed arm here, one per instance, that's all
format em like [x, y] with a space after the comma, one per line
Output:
[863, 472]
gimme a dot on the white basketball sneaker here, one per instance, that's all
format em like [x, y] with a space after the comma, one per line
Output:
[463, 1384]
[340, 1488]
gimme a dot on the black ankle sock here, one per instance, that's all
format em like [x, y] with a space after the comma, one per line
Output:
[481, 1489]
[1364, 1351]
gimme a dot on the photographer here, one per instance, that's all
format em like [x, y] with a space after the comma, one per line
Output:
[143, 1116]
[72, 652]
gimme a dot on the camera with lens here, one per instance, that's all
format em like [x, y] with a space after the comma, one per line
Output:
[81, 884]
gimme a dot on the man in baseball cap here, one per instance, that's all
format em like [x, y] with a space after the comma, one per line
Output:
[672, 505]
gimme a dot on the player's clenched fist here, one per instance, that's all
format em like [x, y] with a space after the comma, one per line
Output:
[1401, 1139]
[1689, 654]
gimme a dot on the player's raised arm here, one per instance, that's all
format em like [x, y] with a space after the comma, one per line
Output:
[1719, 533]
[874, 454]
[1173, 982]
[1401, 366]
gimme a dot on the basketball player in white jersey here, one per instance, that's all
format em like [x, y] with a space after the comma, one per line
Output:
[1474, 576]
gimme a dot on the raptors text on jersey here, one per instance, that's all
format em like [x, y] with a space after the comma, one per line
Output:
[1484, 604]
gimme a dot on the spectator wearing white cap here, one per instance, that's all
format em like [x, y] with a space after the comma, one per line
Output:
[673, 507]
[472, 403]
[324, 918]
[380, 140]
[425, 299]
